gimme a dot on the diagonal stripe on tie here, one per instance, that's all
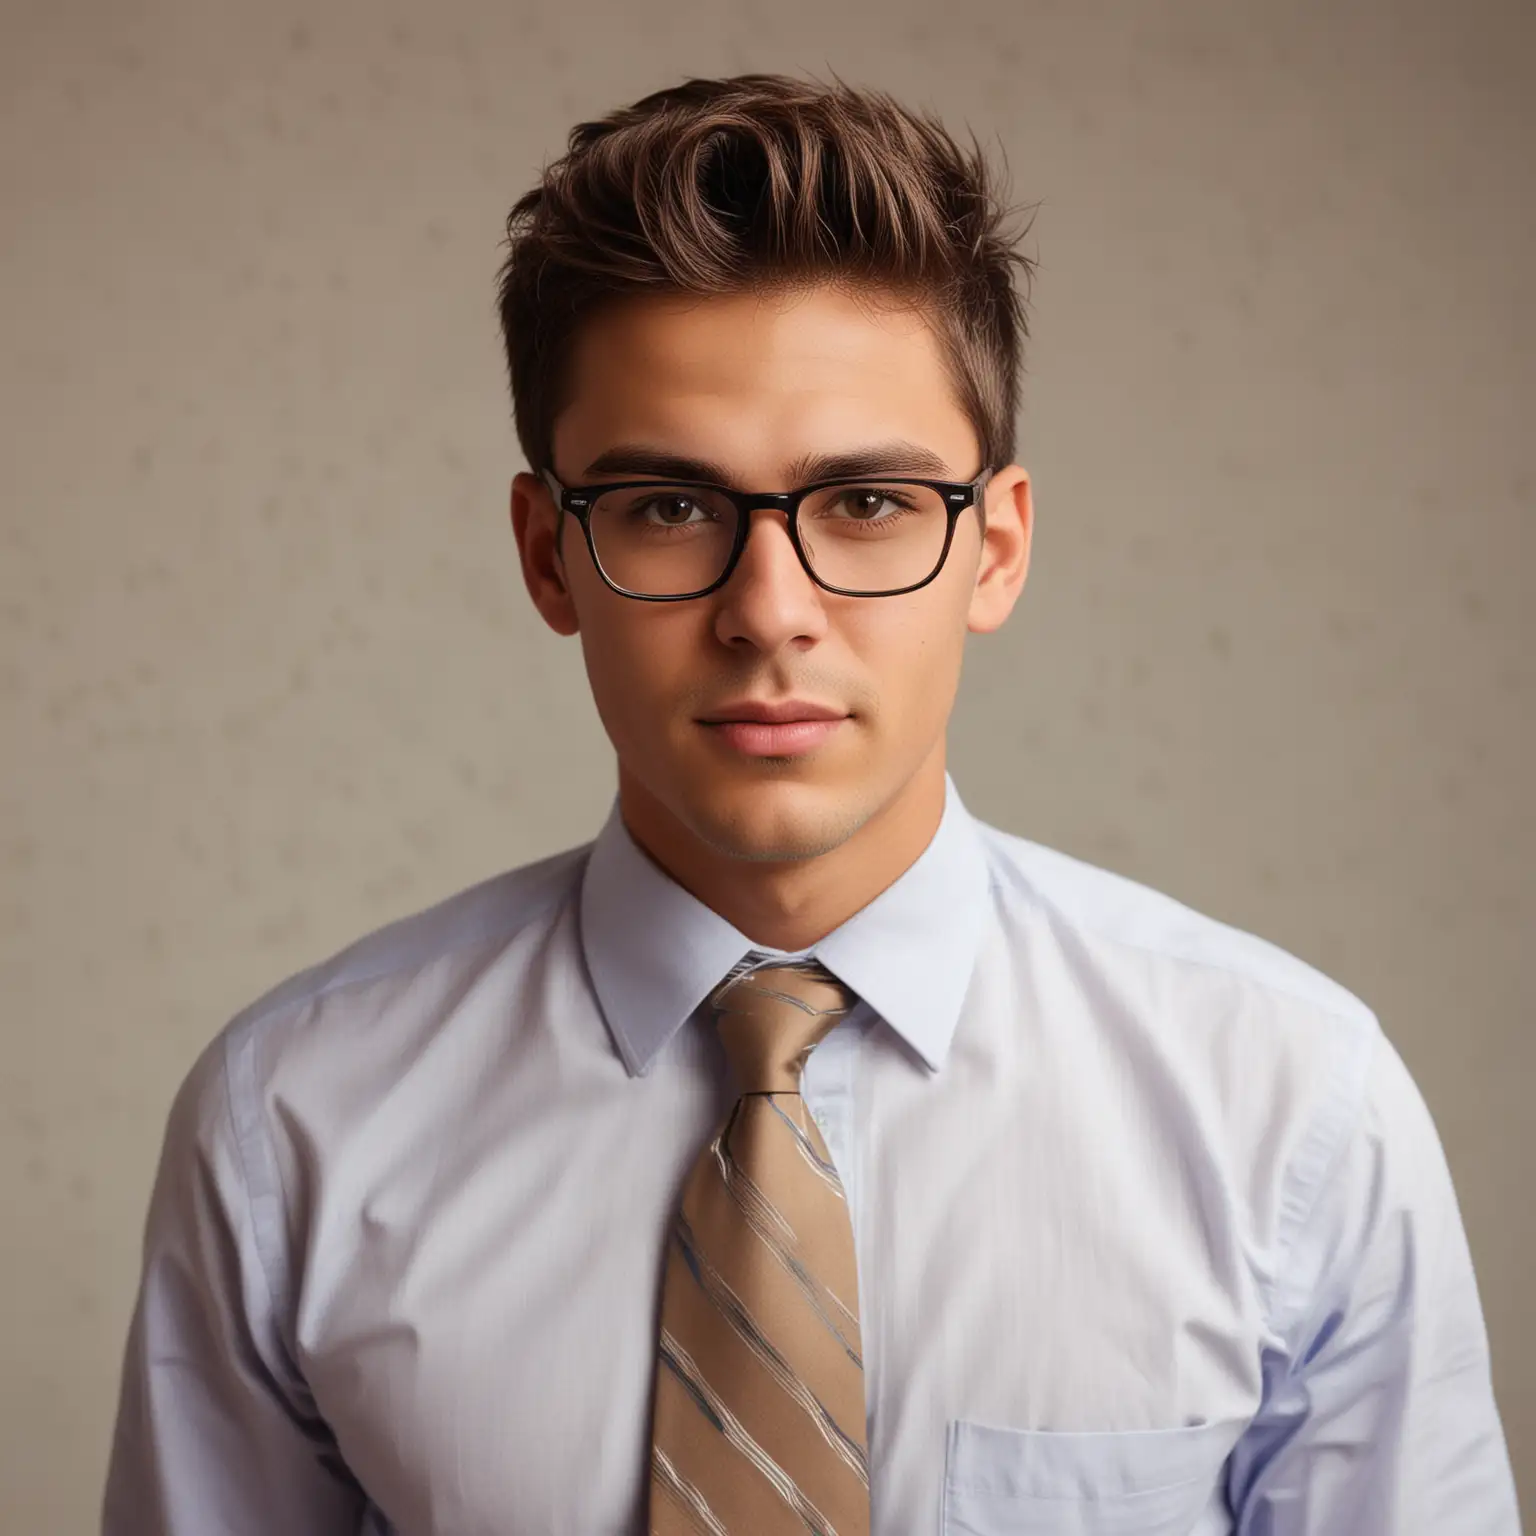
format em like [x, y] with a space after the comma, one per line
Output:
[692, 1504]
[752, 1333]
[740, 1440]
[776, 1235]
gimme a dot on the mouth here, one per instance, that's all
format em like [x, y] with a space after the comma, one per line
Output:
[785, 730]
[774, 738]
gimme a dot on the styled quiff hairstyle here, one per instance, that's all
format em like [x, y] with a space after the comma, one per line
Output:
[763, 183]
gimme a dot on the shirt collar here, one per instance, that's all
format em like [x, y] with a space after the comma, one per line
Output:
[655, 952]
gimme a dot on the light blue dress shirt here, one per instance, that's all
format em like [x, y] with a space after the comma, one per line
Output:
[1154, 1230]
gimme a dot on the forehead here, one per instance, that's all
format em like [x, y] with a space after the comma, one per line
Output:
[760, 379]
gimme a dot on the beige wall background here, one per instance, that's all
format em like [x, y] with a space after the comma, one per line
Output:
[269, 678]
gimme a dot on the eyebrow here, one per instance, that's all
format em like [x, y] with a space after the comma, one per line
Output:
[893, 458]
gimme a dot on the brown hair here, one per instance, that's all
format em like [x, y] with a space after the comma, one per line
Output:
[761, 182]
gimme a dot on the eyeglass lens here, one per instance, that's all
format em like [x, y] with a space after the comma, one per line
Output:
[867, 536]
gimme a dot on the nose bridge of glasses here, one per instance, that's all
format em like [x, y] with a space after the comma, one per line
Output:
[781, 502]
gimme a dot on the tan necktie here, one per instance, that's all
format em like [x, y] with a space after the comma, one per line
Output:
[759, 1397]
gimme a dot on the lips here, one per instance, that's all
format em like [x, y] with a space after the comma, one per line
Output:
[763, 738]
[784, 712]
[774, 727]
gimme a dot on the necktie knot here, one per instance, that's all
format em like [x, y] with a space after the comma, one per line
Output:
[771, 1019]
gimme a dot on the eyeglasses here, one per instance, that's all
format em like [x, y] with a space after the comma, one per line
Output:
[665, 541]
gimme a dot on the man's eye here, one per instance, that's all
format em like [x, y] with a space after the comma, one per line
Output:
[869, 502]
[671, 509]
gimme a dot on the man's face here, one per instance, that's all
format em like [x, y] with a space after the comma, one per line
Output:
[754, 385]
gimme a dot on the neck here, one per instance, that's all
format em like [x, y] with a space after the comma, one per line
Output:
[791, 903]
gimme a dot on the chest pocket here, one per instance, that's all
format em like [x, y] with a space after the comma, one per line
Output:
[1016, 1482]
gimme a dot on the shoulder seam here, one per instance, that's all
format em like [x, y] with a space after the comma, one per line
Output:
[275, 999]
[242, 1124]
[1314, 1164]
[1357, 1013]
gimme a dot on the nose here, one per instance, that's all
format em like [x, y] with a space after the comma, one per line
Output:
[770, 600]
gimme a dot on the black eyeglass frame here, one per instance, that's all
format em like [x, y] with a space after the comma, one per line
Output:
[578, 500]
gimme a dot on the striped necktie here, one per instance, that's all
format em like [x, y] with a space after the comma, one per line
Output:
[758, 1424]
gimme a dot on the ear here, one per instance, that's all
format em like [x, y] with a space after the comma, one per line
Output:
[536, 524]
[1004, 550]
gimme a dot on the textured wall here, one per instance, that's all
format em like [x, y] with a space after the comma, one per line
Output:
[269, 677]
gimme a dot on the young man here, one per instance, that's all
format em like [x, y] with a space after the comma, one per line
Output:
[802, 1154]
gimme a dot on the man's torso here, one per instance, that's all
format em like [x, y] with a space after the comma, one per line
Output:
[1067, 1237]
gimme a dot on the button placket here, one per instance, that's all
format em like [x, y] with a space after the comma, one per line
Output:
[826, 1085]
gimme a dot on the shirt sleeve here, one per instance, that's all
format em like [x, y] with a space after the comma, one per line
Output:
[1378, 1415]
[215, 1430]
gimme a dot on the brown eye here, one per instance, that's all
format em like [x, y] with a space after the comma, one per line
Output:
[869, 503]
[669, 511]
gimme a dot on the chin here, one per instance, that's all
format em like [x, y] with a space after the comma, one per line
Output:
[769, 820]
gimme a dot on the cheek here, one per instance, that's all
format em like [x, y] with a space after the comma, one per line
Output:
[912, 655]
[637, 660]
